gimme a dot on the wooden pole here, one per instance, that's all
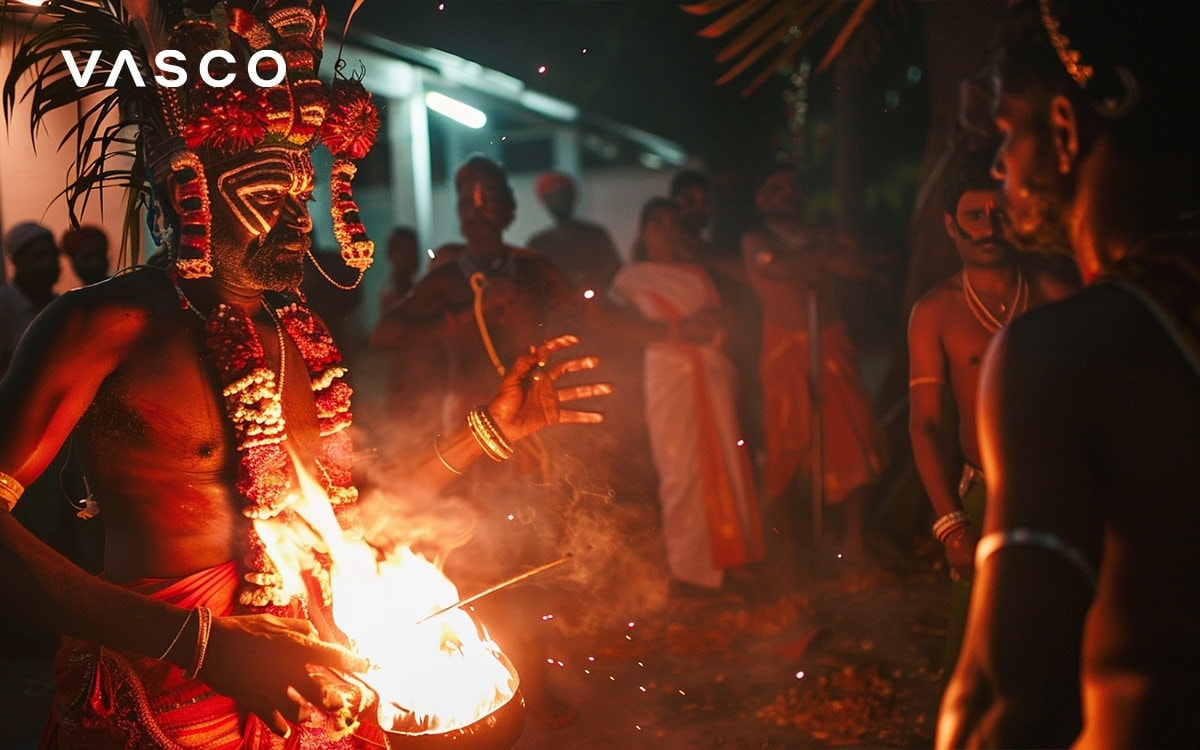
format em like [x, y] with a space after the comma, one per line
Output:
[815, 427]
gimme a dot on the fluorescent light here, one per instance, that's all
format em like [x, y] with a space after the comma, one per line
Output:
[464, 114]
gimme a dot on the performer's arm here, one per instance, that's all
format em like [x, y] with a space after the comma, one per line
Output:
[528, 400]
[933, 432]
[1017, 680]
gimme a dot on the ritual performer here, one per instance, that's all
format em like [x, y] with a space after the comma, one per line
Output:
[191, 394]
[948, 330]
[786, 260]
[1082, 627]
[710, 512]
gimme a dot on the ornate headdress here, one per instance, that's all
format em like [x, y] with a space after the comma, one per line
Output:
[198, 116]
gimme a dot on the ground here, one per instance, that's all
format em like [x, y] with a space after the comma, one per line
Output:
[845, 658]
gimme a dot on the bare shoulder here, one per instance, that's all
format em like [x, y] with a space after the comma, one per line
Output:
[931, 307]
[128, 302]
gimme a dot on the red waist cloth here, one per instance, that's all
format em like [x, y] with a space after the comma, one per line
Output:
[107, 699]
[855, 446]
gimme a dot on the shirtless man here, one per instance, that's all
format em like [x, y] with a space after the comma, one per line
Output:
[1083, 623]
[948, 331]
[786, 260]
[184, 392]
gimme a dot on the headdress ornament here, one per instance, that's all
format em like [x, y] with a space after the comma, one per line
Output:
[184, 129]
[1116, 95]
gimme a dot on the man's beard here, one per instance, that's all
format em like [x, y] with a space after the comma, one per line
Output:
[1048, 196]
[270, 264]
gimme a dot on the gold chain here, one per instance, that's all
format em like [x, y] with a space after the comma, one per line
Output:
[982, 314]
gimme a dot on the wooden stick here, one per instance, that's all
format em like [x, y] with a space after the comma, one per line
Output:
[503, 584]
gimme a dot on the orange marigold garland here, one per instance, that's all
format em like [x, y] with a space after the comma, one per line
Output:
[266, 477]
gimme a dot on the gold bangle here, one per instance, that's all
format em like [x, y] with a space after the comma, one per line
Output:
[488, 435]
[926, 381]
[10, 491]
[175, 640]
[442, 458]
[202, 633]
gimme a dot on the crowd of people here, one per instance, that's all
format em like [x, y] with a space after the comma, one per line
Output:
[1052, 405]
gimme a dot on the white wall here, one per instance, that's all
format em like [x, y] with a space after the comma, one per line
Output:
[33, 172]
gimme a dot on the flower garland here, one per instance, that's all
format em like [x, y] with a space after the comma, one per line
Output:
[254, 404]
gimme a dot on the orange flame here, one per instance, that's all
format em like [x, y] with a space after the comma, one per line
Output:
[434, 677]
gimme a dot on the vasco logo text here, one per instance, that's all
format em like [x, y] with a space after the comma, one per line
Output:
[171, 76]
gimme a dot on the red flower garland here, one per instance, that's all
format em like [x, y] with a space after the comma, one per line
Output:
[234, 121]
[266, 476]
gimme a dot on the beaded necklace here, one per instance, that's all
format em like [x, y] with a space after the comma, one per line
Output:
[254, 404]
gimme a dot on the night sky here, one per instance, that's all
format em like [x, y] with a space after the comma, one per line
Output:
[643, 65]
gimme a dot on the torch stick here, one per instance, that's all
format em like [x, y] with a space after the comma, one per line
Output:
[503, 584]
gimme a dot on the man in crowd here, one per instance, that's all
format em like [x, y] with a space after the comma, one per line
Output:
[487, 305]
[582, 250]
[1082, 628]
[87, 247]
[34, 256]
[948, 331]
[790, 264]
[189, 393]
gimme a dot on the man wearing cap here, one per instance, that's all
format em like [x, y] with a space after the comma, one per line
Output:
[34, 256]
[1083, 620]
[583, 251]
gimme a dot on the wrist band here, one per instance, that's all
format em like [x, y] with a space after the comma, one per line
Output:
[488, 435]
[175, 640]
[948, 524]
[10, 491]
[442, 458]
[202, 634]
[1040, 538]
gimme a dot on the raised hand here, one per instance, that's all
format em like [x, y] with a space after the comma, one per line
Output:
[529, 398]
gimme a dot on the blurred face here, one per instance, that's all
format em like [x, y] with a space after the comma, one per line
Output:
[36, 264]
[976, 228]
[402, 256]
[90, 261]
[781, 197]
[695, 208]
[261, 223]
[1034, 192]
[662, 235]
[484, 211]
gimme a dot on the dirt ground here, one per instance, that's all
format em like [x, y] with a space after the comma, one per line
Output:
[845, 657]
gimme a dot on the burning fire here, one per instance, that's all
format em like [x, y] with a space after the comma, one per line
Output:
[436, 676]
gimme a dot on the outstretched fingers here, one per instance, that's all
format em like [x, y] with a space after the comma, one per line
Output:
[573, 392]
[549, 346]
[574, 416]
[577, 364]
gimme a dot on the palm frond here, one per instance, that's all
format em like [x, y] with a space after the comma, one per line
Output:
[785, 27]
[101, 134]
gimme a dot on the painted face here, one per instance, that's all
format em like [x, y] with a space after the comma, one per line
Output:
[484, 211]
[1034, 193]
[261, 223]
[977, 230]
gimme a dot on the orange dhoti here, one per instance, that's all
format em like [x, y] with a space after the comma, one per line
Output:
[855, 447]
[107, 699]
